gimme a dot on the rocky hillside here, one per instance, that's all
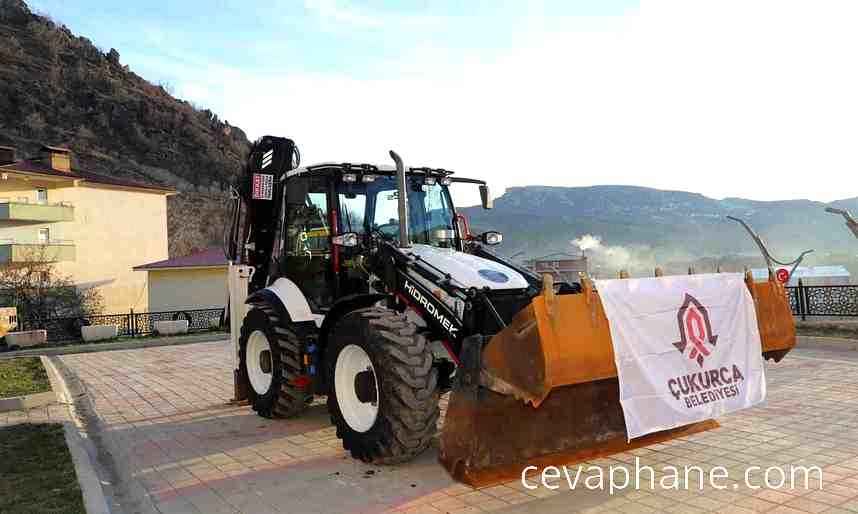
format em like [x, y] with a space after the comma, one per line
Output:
[60, 89]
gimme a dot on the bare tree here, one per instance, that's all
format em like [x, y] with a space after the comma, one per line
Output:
[40, 292]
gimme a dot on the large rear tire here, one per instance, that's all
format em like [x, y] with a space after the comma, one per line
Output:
[384, 388]
[270, 354]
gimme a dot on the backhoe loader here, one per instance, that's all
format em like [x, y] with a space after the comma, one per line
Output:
[362, 283]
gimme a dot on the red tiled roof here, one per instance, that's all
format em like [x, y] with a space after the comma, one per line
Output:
[32, 166]
[204, 258]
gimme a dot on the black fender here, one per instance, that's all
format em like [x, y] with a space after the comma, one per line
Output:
[306, 331]
[265, 296]
[343, 306]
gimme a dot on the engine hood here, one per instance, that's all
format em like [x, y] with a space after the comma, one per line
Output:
[470, 270]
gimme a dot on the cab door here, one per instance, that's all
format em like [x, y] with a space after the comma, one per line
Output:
[306, 239]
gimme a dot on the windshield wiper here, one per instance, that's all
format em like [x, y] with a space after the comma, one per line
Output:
[349, 220]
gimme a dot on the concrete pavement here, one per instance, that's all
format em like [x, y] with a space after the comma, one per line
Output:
[168, 426]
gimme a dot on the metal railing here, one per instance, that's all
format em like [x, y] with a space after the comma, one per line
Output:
[130, 324]
[12, 241]
[838, 300]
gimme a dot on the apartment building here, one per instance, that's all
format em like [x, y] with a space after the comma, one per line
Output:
[561, 266]
[94, 228]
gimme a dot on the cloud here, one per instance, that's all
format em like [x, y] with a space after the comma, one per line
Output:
[729, 98]
[333, 11]
[344, 15]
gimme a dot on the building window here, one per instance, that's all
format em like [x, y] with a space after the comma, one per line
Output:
[44, 235]
[41, 195]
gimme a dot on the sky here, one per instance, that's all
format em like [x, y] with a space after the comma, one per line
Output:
[750, 98]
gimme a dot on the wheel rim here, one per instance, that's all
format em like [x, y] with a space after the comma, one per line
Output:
[352, 361]
[257, 358]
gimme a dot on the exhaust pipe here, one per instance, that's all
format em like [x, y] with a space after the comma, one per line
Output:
[402, 192]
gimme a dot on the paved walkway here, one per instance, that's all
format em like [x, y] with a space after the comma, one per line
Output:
[47, 414]
[166, 420]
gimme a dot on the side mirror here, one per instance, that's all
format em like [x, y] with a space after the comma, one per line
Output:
[346, 239]
[491, 238]
[488, 203]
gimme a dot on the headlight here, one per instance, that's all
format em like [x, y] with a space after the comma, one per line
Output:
[430, 181]
[366, 179]
[349, 178]
[446, 181]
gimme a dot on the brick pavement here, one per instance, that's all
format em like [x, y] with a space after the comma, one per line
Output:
[46, 414]
[170, 425]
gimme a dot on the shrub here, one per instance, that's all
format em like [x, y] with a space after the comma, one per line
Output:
[40, 292]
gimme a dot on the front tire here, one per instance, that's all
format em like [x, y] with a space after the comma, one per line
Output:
[384, 387]
[269, 357]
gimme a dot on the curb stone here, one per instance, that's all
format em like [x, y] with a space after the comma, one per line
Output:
[120, 345]
[827, 343]
[28, 401]
[57, 383]
[90, 485]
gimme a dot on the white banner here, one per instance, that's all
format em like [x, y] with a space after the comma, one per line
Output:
[687, 348]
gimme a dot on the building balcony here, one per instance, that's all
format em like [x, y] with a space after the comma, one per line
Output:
[11, 210]
[55, 250]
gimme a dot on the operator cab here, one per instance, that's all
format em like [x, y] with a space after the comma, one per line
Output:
[361, 200]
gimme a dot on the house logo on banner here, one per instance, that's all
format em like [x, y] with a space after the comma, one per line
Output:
[696, 336]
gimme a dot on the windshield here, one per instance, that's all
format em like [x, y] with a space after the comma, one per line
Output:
[375, 207]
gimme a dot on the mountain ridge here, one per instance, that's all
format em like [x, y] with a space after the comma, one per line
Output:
[655, 226]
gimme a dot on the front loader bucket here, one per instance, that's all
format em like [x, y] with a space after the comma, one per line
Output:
[544, 390]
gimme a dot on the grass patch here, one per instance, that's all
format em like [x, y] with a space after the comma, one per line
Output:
[24, 375]
[36, 471]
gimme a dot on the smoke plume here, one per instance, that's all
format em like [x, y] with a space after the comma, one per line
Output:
[607, 260]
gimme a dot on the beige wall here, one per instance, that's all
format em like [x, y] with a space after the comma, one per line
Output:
[187, 288]
[113, 230]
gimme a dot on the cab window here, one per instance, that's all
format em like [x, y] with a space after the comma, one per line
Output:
[306, 240]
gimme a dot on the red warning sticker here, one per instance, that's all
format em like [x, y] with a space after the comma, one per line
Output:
[263, 186]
